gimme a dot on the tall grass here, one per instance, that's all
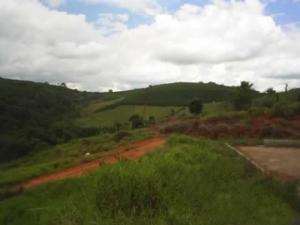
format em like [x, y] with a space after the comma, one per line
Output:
[189, 182]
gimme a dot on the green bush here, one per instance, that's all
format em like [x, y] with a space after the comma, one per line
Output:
[196, 106]
[266, 101]
[286, 110]
[136, 121]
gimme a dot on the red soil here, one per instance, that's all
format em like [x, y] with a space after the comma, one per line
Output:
[135, 151]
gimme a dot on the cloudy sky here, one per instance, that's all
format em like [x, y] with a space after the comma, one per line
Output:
[121, 44]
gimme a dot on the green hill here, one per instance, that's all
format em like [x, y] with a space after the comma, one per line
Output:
[177, 94]
[34, 115]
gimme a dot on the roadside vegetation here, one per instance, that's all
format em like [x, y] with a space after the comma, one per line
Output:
[189, 181]
[64, 156]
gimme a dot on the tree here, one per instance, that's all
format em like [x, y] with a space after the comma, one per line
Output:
[136, 121]
[196, 106]
[270, 91]
[63, 85]
[243, 96]
[245, 85]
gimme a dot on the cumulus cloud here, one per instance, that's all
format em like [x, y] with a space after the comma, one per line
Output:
[224, 42]
[111, 23]
[148, 7]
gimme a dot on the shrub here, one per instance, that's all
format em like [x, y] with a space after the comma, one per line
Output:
[285, 110]
[196, 106]
[267, 101]
[136, 121]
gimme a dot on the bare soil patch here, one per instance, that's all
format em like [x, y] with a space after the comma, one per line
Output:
[132, 152]
[281, 162]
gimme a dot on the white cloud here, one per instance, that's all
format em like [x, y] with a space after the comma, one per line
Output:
[148, 7]
[111, 23]
[224, 42]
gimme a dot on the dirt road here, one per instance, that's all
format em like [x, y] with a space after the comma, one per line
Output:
[133, 152]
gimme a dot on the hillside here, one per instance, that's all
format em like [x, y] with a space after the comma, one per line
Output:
[35, 115]
[190, 181]
[177, 94]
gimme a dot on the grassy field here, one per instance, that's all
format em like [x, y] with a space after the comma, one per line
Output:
[189, 181]
[179, 94]
[121, 114]
[98, 105]
[63, 156]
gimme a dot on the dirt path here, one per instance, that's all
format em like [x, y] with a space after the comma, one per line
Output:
[133, 152]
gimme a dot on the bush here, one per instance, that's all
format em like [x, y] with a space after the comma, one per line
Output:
[136, 121]
[267, 101]
[285, 110]
[196, 106]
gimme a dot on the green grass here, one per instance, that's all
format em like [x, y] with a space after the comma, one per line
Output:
[121, 114]
[179, 94]
[97, 105]
[190, 182]
[63, 156]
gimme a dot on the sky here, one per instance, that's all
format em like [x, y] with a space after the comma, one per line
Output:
[97, 45]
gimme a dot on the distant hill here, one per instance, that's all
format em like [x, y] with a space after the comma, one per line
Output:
[178, 94]
[33, 115]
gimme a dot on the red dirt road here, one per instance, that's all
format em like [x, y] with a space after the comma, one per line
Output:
[133, 152]
[283, 163]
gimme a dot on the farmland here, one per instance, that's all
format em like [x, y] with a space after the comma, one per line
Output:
[121, 114]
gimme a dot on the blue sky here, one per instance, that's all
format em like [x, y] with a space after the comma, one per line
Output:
[284, 11]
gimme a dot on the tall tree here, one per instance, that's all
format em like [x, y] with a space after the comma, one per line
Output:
[243, 97]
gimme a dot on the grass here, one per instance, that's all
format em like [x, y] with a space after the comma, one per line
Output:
[189, 182]
[121, 114]
[179, 94]
[98, 105]
[63, 156]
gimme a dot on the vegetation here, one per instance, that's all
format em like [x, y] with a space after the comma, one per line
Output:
[196, 107]
[136, 121]
[176, 94]
[244, 96]
[65, 155]
[192, 182]
[36, 115]
[121, 114]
